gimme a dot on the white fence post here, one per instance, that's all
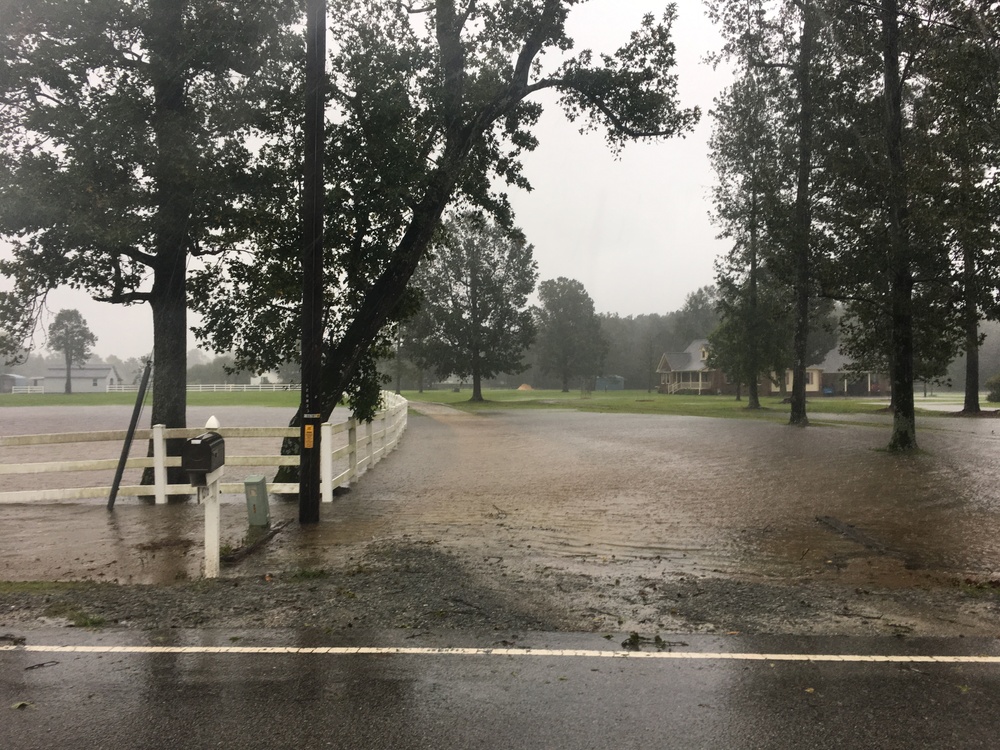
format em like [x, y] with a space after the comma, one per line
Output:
[159, 464]
[370, 442]
[326, 462]
[213, 528]
[352, 441]
[378, 438]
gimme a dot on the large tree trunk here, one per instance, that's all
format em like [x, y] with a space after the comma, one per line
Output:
[172, 176]
[904, 433]
[971, 405]
[477, 379]
[68, 388]
[753, 359]
[803, 219]
[971, 324]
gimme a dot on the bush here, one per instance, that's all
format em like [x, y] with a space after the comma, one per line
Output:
[993, 389]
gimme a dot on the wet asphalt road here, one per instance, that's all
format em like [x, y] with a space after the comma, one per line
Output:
[543, 699]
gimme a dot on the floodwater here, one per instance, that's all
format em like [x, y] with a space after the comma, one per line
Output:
[555, 489]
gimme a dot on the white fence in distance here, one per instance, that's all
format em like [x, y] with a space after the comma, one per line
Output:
[365, 445]
[191, 388]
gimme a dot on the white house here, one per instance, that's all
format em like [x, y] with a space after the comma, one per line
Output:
[85, 379]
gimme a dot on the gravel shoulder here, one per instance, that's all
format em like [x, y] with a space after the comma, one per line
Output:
[422, 586]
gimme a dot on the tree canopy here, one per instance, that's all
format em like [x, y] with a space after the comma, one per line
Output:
[887, 112]
[474, 288]
[70, 337]
[427, 106]
[570, 343]
[129, 128]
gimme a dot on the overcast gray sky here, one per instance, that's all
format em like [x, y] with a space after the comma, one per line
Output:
[633, 230]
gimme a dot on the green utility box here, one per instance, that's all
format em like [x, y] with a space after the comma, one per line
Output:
[255, 487]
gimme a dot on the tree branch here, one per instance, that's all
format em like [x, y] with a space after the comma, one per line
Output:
[124, 298]
[137, 255]
[600, 105]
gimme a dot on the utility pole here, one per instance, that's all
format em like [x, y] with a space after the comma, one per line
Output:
[312, 264]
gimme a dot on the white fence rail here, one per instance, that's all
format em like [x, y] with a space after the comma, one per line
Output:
[362, 446]
[191, 388]
[218, 387]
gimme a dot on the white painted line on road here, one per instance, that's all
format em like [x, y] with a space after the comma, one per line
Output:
[537, 652]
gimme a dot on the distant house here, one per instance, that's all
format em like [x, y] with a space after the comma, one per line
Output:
[688, 372]
[841, 380]
[85, 379]
[8, 381]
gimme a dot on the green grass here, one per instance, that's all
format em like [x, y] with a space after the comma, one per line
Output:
[620, 402]
[641, 402]
[78, 617]
[38, 587]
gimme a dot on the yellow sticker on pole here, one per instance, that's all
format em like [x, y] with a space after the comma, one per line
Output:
[309, 434]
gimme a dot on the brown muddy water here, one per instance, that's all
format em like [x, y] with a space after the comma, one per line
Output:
[568, 491]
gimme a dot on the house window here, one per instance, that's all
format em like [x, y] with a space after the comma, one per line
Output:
[95, 382]
[704, 354]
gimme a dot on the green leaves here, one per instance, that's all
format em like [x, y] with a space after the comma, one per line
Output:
[570, 343]
[475, 287]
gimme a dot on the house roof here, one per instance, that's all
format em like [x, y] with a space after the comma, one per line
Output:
[83, 371]
[689, 360]
[834, 362]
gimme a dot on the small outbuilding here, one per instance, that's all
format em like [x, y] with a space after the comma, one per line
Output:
[9, 380]
[84, 379]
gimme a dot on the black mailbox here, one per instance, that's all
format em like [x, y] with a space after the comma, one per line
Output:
[203, 455]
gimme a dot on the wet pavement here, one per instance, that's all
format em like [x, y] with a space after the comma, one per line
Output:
[571, 490]
[248, 689]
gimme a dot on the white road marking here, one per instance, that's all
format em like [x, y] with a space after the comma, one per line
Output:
[536, 652]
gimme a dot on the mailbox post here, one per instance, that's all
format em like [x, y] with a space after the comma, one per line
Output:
[204, 460]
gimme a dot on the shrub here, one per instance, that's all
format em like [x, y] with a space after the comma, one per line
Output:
[993, 388]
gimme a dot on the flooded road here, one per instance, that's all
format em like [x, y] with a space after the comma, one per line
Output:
[567, 491]
[692, 495]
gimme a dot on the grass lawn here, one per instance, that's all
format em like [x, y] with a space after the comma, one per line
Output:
[641, 402]
[622, 402]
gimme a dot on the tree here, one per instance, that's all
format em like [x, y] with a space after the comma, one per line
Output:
[754, 335]
[958, 116]
[897, 192]
[130, 370]
[635, 345]
[221, 369]
[776, 48]
[428, 105]
[128, 126]
[570, 343]
[699, 315]
[69, 335]
[746, 157]
[475, 285]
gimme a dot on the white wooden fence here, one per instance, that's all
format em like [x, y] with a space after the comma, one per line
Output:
[363, 445]
[191, 388]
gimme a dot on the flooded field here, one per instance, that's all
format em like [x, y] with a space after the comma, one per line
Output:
[537, 490]
[690, 495]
